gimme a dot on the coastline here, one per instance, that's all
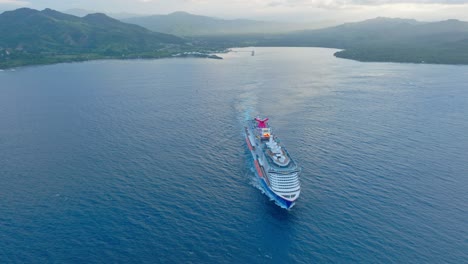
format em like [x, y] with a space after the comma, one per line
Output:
[349, 54]
[37, 60]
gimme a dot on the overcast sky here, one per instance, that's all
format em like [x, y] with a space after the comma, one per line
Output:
[282, 10]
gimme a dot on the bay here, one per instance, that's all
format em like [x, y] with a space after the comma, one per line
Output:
[144, 160]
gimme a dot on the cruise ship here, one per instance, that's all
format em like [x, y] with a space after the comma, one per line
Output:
[278, 172]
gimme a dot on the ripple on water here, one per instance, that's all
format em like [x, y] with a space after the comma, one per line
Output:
[144, 161]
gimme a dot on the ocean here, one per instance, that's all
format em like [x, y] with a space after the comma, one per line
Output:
[144, 161]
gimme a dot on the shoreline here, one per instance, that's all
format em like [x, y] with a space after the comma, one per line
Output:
[70, 58]
[38, 60]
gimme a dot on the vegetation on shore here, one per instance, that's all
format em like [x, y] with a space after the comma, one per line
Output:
[31, 37]
[374, 40]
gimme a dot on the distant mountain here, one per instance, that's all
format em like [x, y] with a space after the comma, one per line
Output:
[379, 39]
[397, 40]
[350, 34]
[79, 12]
[83, 12]
[185, 24]
[28, 34]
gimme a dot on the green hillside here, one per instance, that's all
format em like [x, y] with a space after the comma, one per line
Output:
[29, 36]
[435, 42]
[36, 37]
[379, 39]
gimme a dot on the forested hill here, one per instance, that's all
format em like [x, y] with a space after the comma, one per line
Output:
[397, 40]
[29, 36]
[379, 39]
[32, 36]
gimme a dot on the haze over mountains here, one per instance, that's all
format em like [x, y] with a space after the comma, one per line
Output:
[379, 39]
[79, 12]
[397, 40]
[30, 37]
[185, 24]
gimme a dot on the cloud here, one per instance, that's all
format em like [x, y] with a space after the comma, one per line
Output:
[351, 3]
[284, 10]
[13, 2]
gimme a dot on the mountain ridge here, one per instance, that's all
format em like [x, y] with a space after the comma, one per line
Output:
[39, 37]
[182, 23]
[49, 35]
[373, 40]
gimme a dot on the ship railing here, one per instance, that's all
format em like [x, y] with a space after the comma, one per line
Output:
[283, 148]
[292, 167]
[289, 168]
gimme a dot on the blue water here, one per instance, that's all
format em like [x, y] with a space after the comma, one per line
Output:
[144, 161]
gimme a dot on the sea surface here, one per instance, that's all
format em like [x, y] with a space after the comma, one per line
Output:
[144, 161]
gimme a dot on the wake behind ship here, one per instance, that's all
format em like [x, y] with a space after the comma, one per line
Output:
[278, 172]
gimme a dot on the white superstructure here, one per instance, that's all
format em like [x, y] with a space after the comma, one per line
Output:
[275, 167]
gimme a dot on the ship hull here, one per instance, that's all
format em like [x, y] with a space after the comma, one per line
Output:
[283, 202]
[262, 177]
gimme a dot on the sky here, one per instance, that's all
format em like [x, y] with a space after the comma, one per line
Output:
[332, 11]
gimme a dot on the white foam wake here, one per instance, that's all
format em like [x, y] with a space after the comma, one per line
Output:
[246, 102]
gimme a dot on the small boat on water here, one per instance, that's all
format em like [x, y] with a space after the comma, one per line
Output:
[277, 171]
